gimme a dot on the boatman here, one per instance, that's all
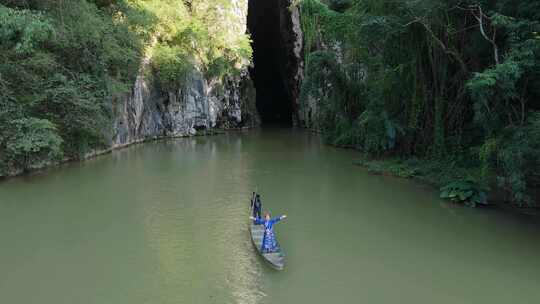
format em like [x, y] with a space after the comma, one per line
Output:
[269, 243]
[257, 206]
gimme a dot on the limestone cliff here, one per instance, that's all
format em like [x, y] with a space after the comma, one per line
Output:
[292, 59]
[199, 104]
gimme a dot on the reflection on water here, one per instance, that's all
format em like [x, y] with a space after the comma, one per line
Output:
[166, 222]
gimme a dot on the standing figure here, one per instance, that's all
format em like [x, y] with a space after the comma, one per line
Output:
[256, 204]
[269, 243]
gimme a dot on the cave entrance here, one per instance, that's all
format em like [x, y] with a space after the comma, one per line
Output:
[269, 55]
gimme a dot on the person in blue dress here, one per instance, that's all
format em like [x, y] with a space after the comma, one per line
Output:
[269, 243]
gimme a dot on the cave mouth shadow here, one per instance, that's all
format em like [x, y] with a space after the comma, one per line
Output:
[268, 73]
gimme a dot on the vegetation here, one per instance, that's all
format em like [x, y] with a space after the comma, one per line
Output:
[453, 83]
[443, 90]
[464, 191]
[64, 63]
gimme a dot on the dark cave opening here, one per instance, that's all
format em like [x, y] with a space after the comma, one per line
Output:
[273, 101]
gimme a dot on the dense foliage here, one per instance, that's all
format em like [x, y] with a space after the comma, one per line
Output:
[451, 82]
[64, 63]
[464, 191]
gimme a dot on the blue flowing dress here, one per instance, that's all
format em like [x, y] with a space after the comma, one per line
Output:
[269, 243]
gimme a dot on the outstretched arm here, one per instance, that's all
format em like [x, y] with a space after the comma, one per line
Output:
[257, 221]
[279, 218]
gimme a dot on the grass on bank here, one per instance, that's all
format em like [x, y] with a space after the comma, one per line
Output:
[455, 181]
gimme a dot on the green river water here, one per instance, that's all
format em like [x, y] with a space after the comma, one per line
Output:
[166, 222]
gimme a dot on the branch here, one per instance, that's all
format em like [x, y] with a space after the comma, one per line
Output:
[480, 17]
[441, 44]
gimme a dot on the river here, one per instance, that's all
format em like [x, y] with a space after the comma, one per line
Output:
[166, 222]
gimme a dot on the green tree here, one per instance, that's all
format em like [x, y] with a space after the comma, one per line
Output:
[453, 82]
[32, 143]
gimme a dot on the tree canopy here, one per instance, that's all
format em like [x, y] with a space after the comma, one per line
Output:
[456, 82]
[64, 63]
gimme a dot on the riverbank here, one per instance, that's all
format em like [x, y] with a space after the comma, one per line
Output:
[432, 172]
[99, 152]
[438, 174]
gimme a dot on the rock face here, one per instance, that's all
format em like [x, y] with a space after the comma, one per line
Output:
[199, 105]
[292, 58]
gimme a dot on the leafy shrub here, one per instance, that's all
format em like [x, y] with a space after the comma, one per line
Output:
[393, 167]
[33, 143]
[24, 30]
[378, 133]
[171, 65]
[60, 67]
[80, 109]
[464, 191]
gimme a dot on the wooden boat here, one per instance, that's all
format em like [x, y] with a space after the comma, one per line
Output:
[275, 259]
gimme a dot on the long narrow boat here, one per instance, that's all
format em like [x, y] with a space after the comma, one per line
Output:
[275, 259]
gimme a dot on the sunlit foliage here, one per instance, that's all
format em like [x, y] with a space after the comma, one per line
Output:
[64, 63]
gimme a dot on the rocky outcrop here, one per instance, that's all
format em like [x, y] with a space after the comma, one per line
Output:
[292, 59]
[198, 105]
